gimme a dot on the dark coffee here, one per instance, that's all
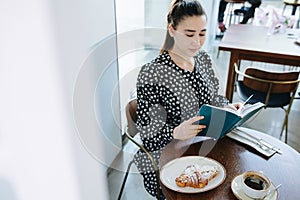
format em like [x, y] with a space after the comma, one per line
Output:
[255, 182]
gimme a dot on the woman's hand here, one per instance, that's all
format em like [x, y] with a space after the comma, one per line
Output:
[236, 106]
[188, 129]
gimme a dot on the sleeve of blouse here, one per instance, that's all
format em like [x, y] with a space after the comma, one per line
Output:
[218, 99]
[151, 115]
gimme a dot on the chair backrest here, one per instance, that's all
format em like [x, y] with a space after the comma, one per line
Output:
[281, 82]
[131, 117]
[292, 2]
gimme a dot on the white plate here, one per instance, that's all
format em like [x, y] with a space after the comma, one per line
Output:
[236, 188]
[174, 168]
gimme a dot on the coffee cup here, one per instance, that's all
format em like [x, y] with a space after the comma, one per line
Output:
[255, 184]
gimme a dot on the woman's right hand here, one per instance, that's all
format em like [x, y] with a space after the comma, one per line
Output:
[188, 129]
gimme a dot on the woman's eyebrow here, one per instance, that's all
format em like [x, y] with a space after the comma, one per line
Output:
[193, 31]
[189, 30]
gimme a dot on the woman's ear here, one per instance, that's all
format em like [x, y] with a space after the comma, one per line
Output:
[171, 30]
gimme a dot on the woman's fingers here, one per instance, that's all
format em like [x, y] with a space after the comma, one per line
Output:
[239, 106]
[195, 119]
[235, 106]
[195, 124]
[189, 128]
[231, 106]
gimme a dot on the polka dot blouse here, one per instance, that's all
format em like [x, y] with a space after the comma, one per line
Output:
[168, 95]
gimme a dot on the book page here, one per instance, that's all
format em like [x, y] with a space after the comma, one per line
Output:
[226, 108]
[249, 108]
[229, 109]
[245, 110]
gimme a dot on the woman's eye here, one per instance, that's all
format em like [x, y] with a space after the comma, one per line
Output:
[201, 35]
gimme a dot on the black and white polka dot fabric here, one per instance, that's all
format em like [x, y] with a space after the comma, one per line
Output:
[168, 95]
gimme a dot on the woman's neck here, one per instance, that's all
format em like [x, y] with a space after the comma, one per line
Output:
[186, 63]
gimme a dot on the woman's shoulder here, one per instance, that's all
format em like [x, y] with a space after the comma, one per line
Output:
[156, 69]
[203, 55]
[156, 63]
[205, 63]
[203, 59]
[149, 70]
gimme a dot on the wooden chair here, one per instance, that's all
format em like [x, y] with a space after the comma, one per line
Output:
[131, 132]
[274, 89]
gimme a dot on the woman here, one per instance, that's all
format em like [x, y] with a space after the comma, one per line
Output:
[172, 88]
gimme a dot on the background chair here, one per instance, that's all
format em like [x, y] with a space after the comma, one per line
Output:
[131, 133]
[231, 14]
[231, 4]
[294, 4]
[274, 89]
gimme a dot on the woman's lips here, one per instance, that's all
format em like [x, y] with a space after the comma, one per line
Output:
[194, 50]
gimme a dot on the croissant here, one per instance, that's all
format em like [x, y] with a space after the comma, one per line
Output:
[196, 176]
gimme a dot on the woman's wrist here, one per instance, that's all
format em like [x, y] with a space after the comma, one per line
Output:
[175, 136]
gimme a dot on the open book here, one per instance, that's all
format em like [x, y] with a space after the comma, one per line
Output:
[220, 121]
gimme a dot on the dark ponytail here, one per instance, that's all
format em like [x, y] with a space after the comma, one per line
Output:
[177, 11]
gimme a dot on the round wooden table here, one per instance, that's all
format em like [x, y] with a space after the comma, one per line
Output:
[237, 158]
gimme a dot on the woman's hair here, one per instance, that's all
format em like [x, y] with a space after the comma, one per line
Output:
[179, 9]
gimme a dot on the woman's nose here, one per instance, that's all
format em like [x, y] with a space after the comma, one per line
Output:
[197, 42]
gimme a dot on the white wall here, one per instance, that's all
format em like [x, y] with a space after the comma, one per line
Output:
[43, 46]
[211, 8]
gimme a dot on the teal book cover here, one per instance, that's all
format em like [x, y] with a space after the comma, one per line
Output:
[220, 121]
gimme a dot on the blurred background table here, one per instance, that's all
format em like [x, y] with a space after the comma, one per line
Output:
[237, 158]
[248, 42]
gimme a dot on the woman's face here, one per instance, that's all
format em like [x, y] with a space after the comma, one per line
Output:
[189, 35]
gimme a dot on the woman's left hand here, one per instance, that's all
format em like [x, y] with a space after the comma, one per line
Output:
[188, 129]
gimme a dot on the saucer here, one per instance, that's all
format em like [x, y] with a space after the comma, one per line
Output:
[238, 192]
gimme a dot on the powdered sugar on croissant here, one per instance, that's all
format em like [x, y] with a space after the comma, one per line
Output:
[196, 176]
